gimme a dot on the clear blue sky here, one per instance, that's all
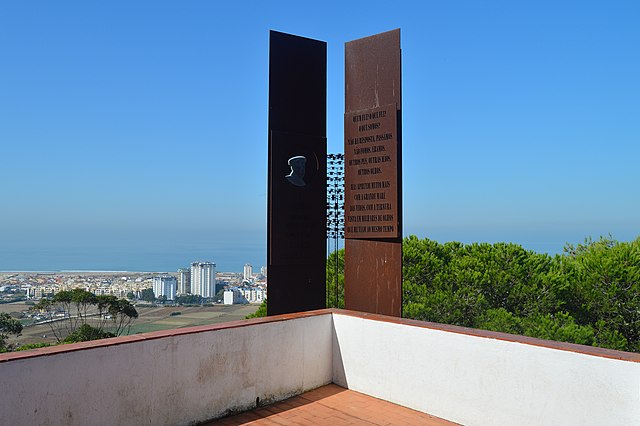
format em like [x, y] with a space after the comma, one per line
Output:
[133, 134]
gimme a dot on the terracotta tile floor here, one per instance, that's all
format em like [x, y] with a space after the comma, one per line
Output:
[332, 405]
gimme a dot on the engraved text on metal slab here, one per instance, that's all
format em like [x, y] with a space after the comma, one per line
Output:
[371, 173]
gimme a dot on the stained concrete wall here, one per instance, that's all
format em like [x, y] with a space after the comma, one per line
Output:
[482, 381]
[173, 380]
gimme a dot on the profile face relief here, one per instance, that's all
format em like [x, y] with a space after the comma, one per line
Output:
[298, 168]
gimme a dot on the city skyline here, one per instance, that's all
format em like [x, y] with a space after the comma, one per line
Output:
[519, 125]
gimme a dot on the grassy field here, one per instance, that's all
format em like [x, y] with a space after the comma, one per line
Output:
[153, 319]
[13, 307]
[149, 319]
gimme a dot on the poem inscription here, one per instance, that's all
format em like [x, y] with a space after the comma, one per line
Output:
[371, 171]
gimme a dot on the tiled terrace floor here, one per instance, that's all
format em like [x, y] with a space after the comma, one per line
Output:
[332, 405]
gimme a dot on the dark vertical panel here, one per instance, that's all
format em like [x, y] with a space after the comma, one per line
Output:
[296, 213]
[373, 265]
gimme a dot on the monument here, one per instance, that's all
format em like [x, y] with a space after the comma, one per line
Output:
[373, 178]
[296, 213]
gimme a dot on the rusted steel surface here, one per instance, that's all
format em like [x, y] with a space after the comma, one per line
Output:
[373, 257]
[296, 213]
[372, 71]
[373, 277]
[371, 168]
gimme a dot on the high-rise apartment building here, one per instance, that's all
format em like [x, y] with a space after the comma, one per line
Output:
[164, 285]
[248, 271]
[184, 281]
[203, 279]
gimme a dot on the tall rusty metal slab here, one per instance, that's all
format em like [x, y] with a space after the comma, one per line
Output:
[296, 213]
[372, 71]
[373, 174]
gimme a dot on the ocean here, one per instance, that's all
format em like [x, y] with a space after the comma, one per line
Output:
[153, 259]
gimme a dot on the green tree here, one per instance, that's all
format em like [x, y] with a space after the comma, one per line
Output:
[8, 326]
[220, 294]
[85, 333]
[560, 326]
[605, 277]
[147, 295]
[590, 295]
[335, 279]
[83, 315]
[115, 315]
[189, 299]
[261, 312]
[500, 320]
[66, 310]
[589, 244]
[32, 346]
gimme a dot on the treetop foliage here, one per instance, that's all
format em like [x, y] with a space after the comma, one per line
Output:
[8, 325]
[261, 312]
[78, 315]
[590, 295]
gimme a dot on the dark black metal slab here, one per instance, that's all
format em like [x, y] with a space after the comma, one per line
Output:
[373, 253]
[296, 214]
[297, 84]
[296, 210]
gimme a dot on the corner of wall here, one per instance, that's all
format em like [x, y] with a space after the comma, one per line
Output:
[339, 376]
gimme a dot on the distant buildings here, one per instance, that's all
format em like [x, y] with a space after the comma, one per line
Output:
[253, 294]
[244, 294]
[232, 297]
[36, 285]
[203, 279]
[184, 281]
[248, 272]
[164, 285]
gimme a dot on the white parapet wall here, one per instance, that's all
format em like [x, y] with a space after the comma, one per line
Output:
[187, 376]
[177, 377]
[480, 380]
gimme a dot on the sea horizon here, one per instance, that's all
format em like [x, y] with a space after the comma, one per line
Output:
[92, 271]
[107, 259]
[232, 259]
[116, 261]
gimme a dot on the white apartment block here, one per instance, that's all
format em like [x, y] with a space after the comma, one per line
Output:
[233, 296]
[253, 294]
[203, 279]
[248, 272]
[164, 285]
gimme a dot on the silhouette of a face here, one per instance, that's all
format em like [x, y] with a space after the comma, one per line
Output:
[298, 168]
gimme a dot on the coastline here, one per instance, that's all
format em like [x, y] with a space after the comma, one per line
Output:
[84, 271]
